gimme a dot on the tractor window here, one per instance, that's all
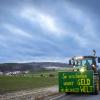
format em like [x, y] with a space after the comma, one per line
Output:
[83, 62]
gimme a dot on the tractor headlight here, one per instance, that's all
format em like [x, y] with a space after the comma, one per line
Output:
[82, 69]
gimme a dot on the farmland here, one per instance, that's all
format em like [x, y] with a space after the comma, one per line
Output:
[28, 81]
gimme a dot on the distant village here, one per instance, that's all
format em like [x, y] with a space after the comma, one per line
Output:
[14, 73]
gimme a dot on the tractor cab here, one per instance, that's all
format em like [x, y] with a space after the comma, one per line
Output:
[83, 63]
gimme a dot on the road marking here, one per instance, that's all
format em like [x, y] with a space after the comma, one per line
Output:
[57, 97]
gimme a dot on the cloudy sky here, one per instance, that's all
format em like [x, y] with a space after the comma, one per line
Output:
[48, 30]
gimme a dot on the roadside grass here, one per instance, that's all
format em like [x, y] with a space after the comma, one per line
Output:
[26, 82]
[29, 81]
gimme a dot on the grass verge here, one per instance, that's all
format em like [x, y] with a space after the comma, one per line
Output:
[17, 83]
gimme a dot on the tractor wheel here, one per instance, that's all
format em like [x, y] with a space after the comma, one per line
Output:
[96, 88]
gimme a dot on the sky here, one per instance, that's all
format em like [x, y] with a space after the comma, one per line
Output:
[48, 30]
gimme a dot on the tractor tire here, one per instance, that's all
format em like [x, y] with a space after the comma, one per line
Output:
[96, 92]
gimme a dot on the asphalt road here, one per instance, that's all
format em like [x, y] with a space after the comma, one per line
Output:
[77, 97]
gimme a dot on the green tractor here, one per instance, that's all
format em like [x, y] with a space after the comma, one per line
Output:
[84, 77]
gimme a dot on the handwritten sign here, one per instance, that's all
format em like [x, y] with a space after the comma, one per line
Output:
[75, 82]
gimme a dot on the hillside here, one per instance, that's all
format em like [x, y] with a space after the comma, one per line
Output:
[33, 66]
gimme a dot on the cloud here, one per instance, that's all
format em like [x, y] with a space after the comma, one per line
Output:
[35, 59]
[3, 43]
[15, 30]
[81, 25]
[46, 21]
[43, 31]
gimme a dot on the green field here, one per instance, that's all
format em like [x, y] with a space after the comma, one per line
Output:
[26, 82]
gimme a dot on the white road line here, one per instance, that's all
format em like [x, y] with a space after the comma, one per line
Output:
[57, 97]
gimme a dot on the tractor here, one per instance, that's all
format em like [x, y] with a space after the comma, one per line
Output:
[84, 76]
